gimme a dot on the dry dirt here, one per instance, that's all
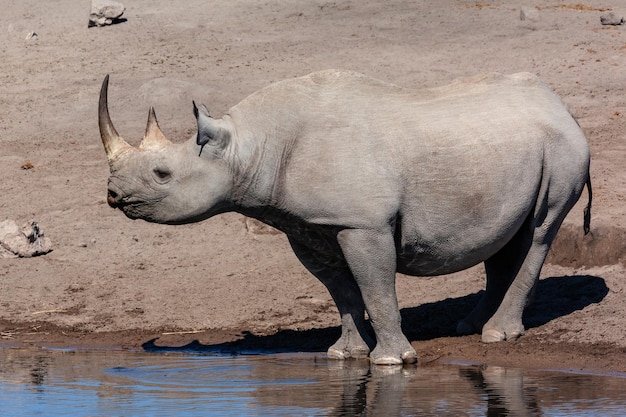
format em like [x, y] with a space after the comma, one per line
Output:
[112, 282]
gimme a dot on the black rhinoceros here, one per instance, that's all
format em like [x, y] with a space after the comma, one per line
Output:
[367, 179]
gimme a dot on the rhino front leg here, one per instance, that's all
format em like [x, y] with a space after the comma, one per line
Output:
[355, 342]
[371, 256]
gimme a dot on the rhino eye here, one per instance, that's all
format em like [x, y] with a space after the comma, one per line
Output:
[162, 175]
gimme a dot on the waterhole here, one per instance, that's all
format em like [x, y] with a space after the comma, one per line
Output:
[117, 383]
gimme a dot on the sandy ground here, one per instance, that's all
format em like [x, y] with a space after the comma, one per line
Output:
[219, 285]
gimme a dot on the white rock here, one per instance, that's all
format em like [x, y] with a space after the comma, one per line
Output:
[105, 12]
[22, 242]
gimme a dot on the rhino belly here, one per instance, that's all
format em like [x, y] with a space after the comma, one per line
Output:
[427, 252]
[425, 260]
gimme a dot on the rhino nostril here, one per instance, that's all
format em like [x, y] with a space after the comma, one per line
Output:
[112, 198]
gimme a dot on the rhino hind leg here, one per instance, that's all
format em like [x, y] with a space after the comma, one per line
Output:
[554, 202]
[501, 269]
[355, 341]
[506, 323]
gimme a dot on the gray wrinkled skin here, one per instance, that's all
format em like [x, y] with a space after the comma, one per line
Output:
[367, 179]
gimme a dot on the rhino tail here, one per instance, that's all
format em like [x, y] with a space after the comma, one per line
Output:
[587, 215]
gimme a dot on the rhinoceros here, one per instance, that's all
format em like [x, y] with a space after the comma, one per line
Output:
[367, 179]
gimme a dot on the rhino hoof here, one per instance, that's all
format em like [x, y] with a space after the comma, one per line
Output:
[407, 357]
[492, 335]
[342, 354]
[336, 354]
[387, 361]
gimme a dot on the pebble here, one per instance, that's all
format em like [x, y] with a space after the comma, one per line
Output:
[611, 19]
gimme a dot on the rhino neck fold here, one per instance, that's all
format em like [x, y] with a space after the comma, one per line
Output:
[258, 158]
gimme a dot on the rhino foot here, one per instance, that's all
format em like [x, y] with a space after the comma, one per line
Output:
[349, 348]
[493, 335]
[385, 358]
[355, 352]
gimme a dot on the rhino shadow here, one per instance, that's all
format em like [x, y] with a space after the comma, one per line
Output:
[555, 297]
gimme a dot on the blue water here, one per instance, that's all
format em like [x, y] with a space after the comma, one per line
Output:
[116, 383]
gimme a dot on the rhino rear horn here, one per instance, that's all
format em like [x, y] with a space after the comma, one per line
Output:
[113, 143]
[154, 137]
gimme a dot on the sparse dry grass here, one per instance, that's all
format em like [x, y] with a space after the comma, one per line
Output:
[576, 6]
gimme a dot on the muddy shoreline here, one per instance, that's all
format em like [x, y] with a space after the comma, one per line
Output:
[601, 358]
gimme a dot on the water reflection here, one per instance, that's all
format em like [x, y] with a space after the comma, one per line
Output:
[135, 384]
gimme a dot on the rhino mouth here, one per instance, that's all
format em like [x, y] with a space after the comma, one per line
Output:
[128, 207]
[131, 210]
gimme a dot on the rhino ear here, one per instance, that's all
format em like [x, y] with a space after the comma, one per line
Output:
[203, 109]
[210, 130]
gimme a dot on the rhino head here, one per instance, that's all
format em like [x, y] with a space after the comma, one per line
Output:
[164, 182]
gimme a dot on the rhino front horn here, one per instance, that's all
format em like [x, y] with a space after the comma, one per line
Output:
[113, 143]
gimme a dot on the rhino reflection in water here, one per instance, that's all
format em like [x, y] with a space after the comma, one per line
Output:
[367, 179]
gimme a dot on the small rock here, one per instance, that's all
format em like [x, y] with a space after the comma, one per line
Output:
[31, 36]
[23, 242]
[84, 244]
[26, 165]
[529, 13]
[611, 19]
[105, 12]
[256, 227]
